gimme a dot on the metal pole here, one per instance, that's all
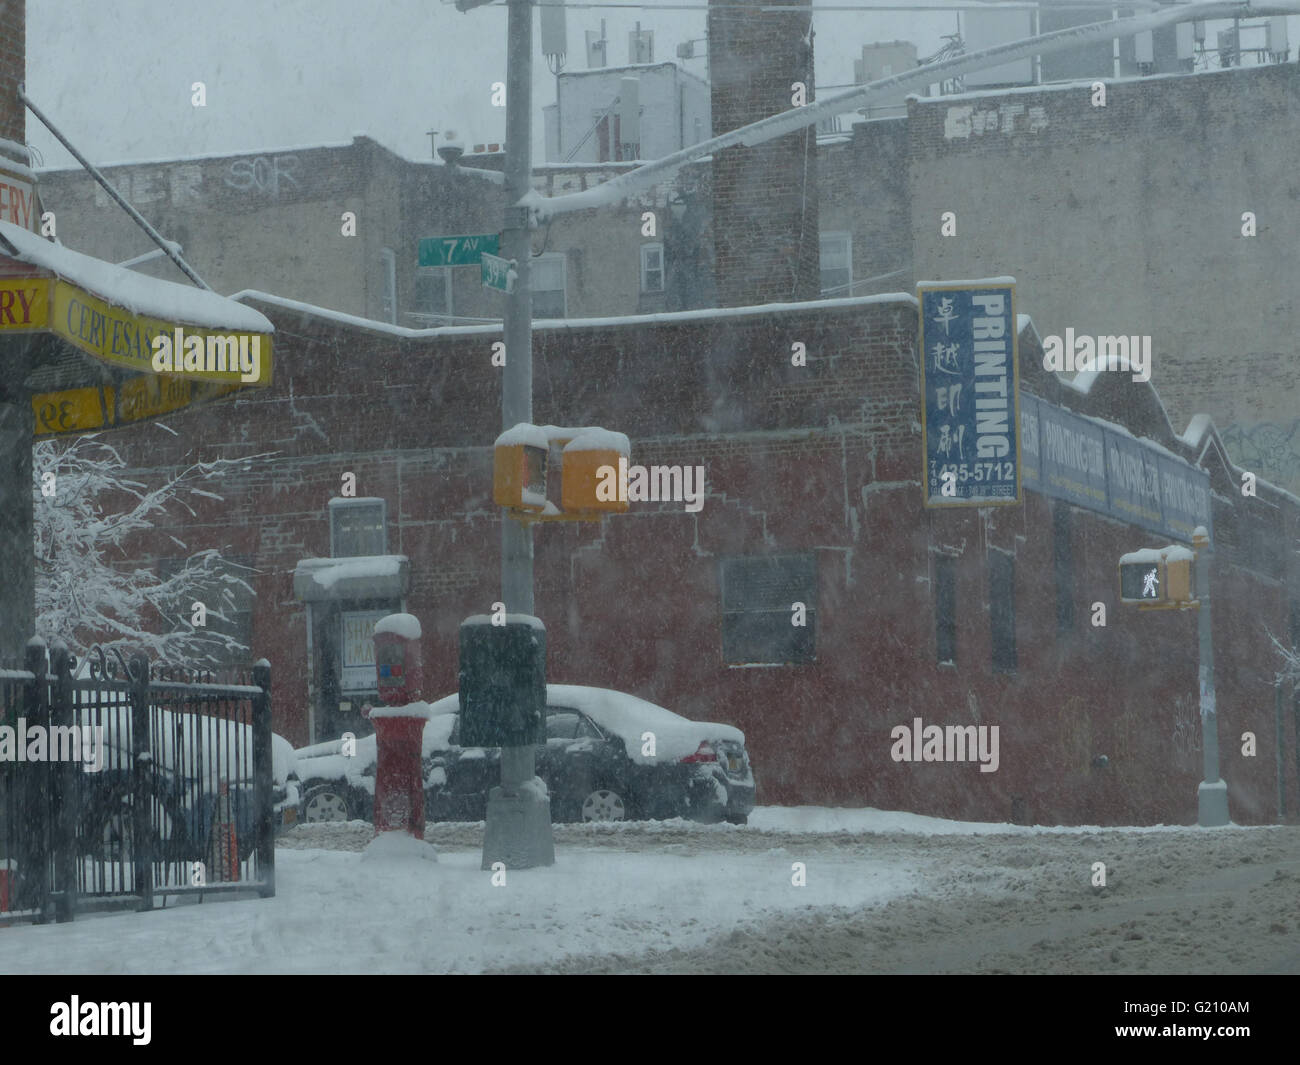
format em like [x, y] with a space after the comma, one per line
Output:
[517, 830]
[517, 763]
[1212, 795]
[1279, 734]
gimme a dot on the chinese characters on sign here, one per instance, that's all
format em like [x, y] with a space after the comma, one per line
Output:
[969, 380]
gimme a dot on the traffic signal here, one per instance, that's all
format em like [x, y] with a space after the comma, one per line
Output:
[1157, 575]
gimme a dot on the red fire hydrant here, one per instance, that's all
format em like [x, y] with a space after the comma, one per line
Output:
[399, 726]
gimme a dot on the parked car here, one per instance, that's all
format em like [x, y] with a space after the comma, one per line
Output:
[195, 756]
[608, 756]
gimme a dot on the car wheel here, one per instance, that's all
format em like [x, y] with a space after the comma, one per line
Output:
[738, 819]
[604, 804]
[326, 803]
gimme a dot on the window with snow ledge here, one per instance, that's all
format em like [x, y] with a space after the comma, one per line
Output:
[837, 264]
[358, 527]
[388, 264]
[759, 613]
[652, 268]
[432, 296]
[1063, 560]
[547, 281]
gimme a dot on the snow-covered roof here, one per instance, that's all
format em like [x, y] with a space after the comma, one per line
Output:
[577, 323]
[407, 626]
[137, 293]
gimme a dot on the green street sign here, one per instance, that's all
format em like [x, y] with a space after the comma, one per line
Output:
[498, 273]
[457, 251]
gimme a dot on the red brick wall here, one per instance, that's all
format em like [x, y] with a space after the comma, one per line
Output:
[823, 459]
[13, 67]
[765, 227]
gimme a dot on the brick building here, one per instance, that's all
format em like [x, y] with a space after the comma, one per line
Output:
[813, 470]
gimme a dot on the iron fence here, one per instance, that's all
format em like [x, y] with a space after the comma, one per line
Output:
[126, 785]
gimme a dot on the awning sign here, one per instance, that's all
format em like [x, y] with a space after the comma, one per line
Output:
[970, 426]
[116, 336]
[84, 410]
[17, 201]
[24, 305]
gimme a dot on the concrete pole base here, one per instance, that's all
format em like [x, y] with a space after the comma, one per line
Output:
[518, 831]
[1212, 804]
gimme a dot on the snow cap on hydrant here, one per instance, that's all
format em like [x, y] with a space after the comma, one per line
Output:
[398, 663]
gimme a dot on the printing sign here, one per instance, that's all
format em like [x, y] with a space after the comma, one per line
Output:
[969, 380]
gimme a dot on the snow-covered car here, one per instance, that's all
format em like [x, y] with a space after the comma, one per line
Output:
[608, 756]
[195, 757]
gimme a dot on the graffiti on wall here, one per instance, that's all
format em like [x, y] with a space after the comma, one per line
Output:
[968, 121]
[1269, 449]
[269, 175]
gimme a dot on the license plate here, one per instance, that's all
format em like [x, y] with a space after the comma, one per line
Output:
[290, 816]
[733, 763]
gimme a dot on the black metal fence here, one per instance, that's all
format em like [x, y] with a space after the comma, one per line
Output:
[125, 786]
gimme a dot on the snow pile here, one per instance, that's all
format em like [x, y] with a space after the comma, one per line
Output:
[397, 846]
[600, 440]
[419, 708]
[138, 293]
[327, 572]
[407, 626]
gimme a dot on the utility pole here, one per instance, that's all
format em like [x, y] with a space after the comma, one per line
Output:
[1212, 795]
[517, 830]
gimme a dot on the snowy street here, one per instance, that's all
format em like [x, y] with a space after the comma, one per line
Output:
[885, 893]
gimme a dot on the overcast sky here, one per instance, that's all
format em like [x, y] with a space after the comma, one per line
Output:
[116, 76]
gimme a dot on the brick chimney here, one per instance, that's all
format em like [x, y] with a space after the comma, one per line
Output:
[13, 69]
[765, 227]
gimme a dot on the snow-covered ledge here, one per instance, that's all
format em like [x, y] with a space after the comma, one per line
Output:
[357, 577]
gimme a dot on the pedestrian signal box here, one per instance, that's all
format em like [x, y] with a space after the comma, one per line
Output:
[593, 473]
[1157, 576]
[519, 469]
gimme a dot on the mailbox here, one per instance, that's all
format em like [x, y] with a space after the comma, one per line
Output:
[502, 682]
[593, 472]
[398, 661]
[519, 468]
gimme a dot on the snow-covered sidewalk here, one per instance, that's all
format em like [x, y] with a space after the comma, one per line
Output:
[621, 894]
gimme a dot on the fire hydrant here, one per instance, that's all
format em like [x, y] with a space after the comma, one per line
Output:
[399, 726]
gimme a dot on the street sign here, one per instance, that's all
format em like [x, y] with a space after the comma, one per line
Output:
[498, 273]
[970, 438]
[458, 251]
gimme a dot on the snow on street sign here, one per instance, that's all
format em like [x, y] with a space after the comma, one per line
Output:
[457, 251]
[498, 273]
[970, 392]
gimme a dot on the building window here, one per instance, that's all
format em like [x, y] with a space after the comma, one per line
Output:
[358, 527]
[388, 263]
[763, 599]
[945, 610]
[547, 284]
[1002, 610]
[837, 264]
[433, 291]
[652, 267]
[1063, 561]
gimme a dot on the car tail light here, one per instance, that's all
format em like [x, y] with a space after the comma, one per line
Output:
[705, 753]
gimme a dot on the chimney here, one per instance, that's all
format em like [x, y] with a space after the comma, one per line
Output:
[13, 70]
[767, 244]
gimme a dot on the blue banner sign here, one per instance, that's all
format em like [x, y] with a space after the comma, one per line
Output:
[970, 424]
[1083, 461]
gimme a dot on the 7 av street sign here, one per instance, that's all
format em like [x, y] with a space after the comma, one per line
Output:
[457, 251]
